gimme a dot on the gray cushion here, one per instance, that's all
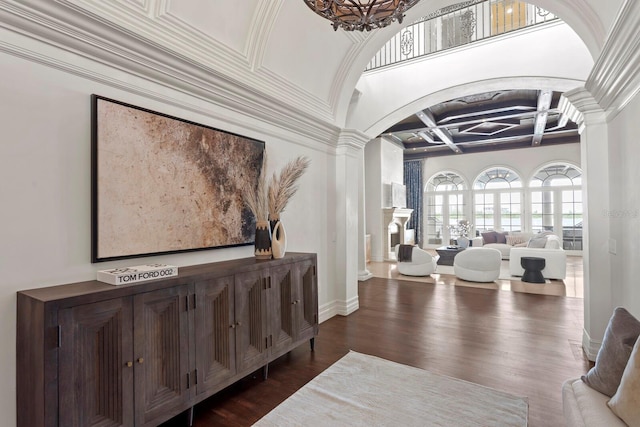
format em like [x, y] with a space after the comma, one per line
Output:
[537, 242]
[621, 334]
[489, 237]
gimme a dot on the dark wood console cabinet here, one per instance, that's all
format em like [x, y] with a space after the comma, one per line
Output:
[93, 354]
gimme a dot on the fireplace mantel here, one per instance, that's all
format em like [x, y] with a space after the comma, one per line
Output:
[391, 216]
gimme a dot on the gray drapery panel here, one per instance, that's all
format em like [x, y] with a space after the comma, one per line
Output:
[413, 182]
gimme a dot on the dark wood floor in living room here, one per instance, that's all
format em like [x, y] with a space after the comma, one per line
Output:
[524, 344]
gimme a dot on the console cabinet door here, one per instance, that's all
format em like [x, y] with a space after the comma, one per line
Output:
[306, 300]
[214, 332]
[281, 296]
[251, 320]
[161, 354]
[95, 364]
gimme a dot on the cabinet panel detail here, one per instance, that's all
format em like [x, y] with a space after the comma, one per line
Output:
[160, 351]
[95, 341]
[215, 332]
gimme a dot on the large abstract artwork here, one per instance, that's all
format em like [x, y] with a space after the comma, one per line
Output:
[161, 184]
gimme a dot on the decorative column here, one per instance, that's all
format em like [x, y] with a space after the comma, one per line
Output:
[363, 272]
[594, 150]
[350, 238]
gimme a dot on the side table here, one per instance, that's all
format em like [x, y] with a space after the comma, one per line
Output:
[533, 267]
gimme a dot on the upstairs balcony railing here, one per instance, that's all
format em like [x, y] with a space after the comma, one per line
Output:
[458, 25]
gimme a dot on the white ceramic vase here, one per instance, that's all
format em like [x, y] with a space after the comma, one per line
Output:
[463, 242]
[278, 241]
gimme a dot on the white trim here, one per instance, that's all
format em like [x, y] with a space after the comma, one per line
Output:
[364, 275]
[337, 307]
[590, 347]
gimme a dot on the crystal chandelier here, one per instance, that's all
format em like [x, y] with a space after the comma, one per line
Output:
[361, 14]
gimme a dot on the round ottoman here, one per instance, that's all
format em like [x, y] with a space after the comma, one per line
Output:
[478, 264]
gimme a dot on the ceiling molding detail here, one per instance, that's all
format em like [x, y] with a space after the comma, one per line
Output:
[582, 108]
[174, 40]
[100, 41]
[264, 18]
[615, 78]
[352, 141]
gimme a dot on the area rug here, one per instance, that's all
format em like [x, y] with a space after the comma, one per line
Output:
[363, 390]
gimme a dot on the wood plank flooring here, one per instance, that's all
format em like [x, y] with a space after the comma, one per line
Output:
[521, 343]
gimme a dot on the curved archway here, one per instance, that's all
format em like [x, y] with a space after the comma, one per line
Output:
[589, 25]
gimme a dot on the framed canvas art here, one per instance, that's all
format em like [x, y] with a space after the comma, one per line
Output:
[161, 184]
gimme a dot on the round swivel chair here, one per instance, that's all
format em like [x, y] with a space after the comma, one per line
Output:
[478, 264]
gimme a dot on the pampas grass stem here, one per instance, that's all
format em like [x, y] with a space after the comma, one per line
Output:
[283, 187]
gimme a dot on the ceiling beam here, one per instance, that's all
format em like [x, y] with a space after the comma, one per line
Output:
[446, 137]
[544, 102]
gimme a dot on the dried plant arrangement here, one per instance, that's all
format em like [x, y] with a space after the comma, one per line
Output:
[256, 197]
[283, 187]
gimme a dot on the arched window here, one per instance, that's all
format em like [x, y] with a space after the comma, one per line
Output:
[444, 205]
[556, 202]
[498, 200]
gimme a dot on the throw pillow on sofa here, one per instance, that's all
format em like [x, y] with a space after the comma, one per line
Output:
[619, 338]
[493, 237]
[626, 402]
[538, 242]
[489, 237]
[514, 240]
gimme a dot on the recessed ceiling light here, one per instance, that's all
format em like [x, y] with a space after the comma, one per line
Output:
[509, 10]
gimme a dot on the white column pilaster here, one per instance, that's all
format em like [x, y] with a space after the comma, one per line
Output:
[350, 237]
[594, 153]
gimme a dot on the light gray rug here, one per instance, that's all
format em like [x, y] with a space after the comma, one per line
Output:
[363, 390]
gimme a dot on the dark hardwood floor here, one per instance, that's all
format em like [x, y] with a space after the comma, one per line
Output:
[521, 343]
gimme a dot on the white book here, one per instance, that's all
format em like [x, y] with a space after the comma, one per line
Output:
[138, 273]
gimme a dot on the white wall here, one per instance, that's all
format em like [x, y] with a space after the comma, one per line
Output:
[45, 182]
[523, 161]
[383, 165]
[624, 211]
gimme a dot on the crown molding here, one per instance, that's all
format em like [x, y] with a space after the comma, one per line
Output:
[94, 39]
[351, 142]
[582, 108]
[615, 78]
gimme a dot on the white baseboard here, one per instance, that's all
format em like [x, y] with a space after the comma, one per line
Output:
[333, 308]
[364, 275]
[590, 347]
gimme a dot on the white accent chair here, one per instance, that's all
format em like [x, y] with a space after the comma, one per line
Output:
[555, 259]
[478, 264]
[422, 263]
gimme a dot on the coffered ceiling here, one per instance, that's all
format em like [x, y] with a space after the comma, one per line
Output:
[496, 120]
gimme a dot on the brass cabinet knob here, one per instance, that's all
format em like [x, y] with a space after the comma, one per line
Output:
[140, 360]
[232, 326]
[239, 323]
[129, 364]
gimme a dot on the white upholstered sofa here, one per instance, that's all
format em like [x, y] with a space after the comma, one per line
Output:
[510, 241]
[586, 407]
[555, 258]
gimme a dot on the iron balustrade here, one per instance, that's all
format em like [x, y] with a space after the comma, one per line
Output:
[458, 25]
